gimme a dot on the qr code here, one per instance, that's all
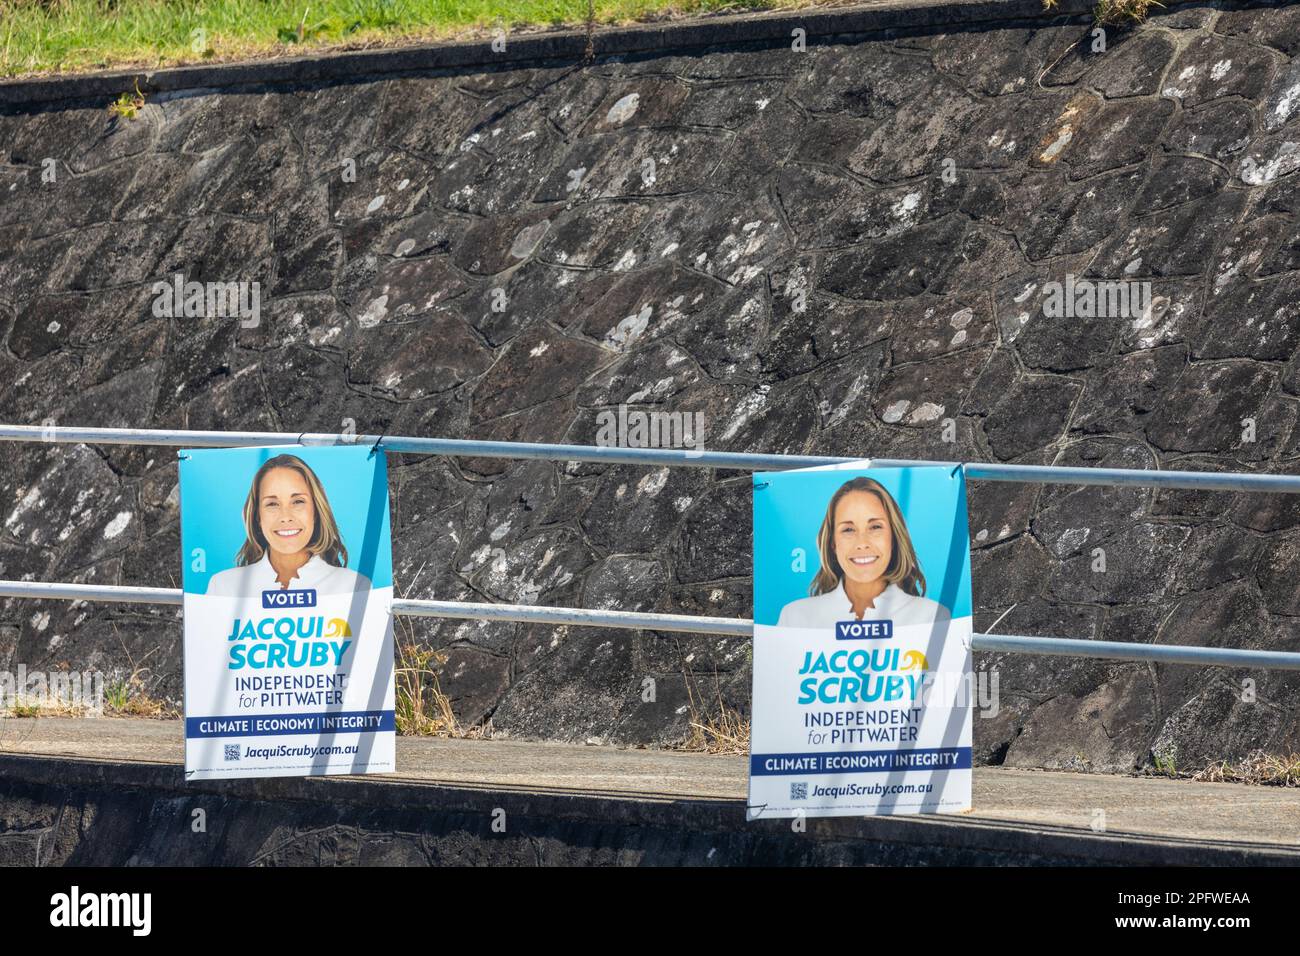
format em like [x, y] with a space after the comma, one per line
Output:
[232, 751]
[799, 791]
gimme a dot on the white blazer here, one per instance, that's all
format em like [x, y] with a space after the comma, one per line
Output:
[252, 579]
[893, 604]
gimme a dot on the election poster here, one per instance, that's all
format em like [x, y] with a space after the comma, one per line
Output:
[862, 643]
[288, 587]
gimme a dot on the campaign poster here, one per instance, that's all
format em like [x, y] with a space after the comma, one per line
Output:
[288, 588]
[862, 643]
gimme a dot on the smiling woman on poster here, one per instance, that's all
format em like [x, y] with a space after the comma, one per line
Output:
[869, 569]
[292, 539]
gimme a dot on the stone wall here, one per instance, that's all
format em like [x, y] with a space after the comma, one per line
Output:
[86, 813]
[918, 191]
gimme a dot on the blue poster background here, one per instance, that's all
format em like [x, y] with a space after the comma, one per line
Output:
[355, 481]
[788, 513]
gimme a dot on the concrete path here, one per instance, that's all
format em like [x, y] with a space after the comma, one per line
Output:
[1143, 807]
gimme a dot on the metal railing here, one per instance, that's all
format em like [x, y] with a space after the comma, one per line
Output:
[672, 457]
[679, 623]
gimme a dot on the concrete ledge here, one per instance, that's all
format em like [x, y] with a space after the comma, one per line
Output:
[548, 46]
[578, 805]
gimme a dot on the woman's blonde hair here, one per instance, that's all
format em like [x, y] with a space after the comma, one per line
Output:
[903, 569]
[326, 542]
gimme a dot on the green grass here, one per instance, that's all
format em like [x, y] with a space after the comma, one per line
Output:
[55, 36]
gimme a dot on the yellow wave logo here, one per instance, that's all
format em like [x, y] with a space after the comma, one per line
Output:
[914, 660]
[337, 627]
